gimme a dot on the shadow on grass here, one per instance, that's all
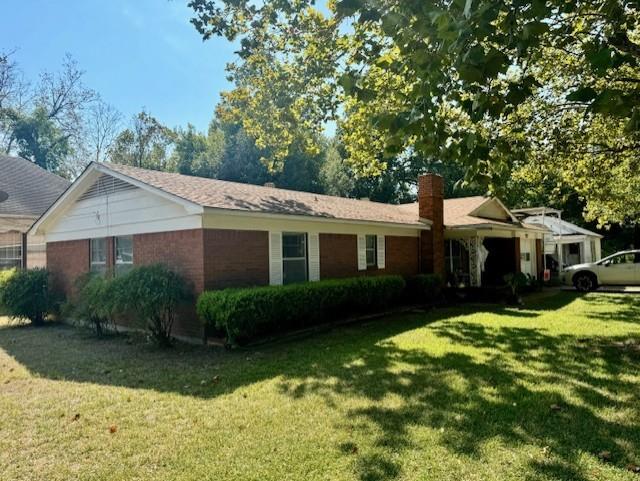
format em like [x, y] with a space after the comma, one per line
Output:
[489, 382]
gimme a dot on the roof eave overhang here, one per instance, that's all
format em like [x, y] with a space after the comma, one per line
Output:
[492, 227]
[425, 224]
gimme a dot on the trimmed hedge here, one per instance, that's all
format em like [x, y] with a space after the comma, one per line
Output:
[424, 288]
[245, 314]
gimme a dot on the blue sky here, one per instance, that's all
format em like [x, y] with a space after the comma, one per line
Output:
[136, 53]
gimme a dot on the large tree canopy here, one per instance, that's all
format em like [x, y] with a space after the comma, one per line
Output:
[500, 86]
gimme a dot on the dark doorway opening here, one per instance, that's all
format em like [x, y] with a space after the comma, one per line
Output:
[500, 261]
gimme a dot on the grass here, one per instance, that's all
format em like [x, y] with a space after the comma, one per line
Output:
[461, 393]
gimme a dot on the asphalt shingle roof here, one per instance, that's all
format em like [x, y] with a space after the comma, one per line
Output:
[31, 189]
[253, 198]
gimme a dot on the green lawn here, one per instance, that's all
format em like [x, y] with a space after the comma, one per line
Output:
[454, 394]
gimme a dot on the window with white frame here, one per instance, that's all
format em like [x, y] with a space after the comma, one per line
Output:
[123, 247]
[294, 257]
[98, 255]
[371, 249]
[11, 254]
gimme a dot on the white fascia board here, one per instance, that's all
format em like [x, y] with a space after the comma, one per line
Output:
[489, 227]
[425, 224]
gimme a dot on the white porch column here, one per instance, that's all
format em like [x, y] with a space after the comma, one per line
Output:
[586, 250]
[475, 264]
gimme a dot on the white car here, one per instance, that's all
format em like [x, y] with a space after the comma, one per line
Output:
[621, 268]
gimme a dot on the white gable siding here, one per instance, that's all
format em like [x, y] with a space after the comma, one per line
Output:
[492, 210]
[124, 212]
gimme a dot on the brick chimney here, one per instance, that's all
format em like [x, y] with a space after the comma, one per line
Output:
[431, 207]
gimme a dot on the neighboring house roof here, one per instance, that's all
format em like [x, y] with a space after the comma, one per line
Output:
[31, 189]
[233, 196]
[558, 226]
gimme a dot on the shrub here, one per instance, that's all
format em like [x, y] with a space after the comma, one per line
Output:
[25, 294]
[94, 302]
[244, 314]
[153, 294]
[516, 282]
[5, 275]
[424, 288]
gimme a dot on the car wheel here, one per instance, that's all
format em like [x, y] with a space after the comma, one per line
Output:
[585, 282]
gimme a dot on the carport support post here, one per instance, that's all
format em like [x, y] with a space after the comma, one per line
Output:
[516, 249]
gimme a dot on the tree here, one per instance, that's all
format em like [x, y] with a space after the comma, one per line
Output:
[196, 153]
[58, 123]
[464, 75]
[37, 138]
[103, 122]
[145, 144]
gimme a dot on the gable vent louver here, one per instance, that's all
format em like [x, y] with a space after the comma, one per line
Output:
[106, 185]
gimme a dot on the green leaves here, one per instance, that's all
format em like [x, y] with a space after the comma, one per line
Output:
[479, 65]
[583, 94]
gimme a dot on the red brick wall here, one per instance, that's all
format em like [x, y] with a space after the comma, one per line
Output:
[339, 256]
[179, 250]
[182, 252]
[431, 206]
[235, 258]
[67, 260]
[402, 255]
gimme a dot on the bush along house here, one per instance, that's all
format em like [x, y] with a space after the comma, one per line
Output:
[219, 234]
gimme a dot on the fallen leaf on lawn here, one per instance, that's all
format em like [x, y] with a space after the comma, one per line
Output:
[556, 407]
[546, 450]
[216, 379]
[76, 417]
[113, 429]
[203, 382]
[634, 468]
[604, 455]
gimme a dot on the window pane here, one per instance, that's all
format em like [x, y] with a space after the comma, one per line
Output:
[98, 250]
[124, 250]
[293, 245]
[371, 250]
[294, 270]
[371, 242]
[371, 257]
[122, 269]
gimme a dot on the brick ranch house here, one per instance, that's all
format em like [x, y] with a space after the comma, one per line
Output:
[219, 234]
